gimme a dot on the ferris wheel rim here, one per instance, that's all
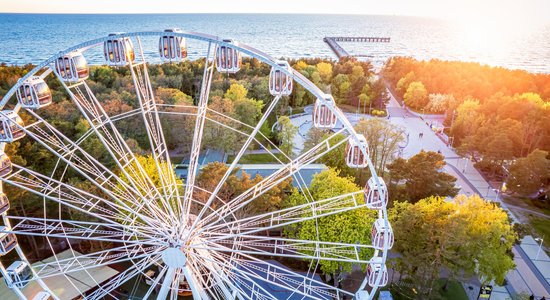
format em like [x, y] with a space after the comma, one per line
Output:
[298, 77]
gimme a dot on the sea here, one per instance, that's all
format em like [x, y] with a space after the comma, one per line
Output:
[32, 38]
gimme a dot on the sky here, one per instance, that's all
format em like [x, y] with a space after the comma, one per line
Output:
[501, 11]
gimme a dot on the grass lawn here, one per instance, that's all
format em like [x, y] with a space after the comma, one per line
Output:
[541, 227]
[454, 291]
[263, 158]
[176, 159]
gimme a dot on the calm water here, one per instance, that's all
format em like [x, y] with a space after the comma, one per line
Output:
[26, 38]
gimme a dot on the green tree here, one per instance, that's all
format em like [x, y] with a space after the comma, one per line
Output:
[403, 83]
[248, 111]
[286, 134]
[419, 177]
[336, 159]
[213, 131]
[416, 95]
[341, 88]
[466, 236]
[352, 227]
[236, 92]
[529, 174]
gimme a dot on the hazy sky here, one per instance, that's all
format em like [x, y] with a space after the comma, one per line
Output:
[516, 11]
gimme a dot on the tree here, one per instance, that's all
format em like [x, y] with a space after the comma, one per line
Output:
[416, 95]
[237, 183]
[173, 96]
[248, 111]
[529, 174]
[419, 177]
[438, 103]
[325, 71]
[213, 131]
[352, 227]
[466, 236]
[341, 88]
[236, 92]
[286, 134]
[314, 136]
[403, 83]
[336, 158]
[383, 139]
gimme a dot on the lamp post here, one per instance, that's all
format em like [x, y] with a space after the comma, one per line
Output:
[465, 164]
[540, 246]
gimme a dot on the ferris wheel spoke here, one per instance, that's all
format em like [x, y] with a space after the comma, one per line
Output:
[116, 146]
[75, 198]
[218, 274]
[261, 270]
[78, 159]
[274, 179]
[81, 230]
[166, 283]
[153, 127]
[235, 161]
[129, 273]
[239, 283]
[199, 128]
[156, 281]
[94, 260]
[285, 247]
[291, 215]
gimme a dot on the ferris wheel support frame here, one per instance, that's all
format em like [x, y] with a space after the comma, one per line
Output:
[118, 149]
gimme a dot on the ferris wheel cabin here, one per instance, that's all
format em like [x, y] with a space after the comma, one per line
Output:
[379, 229]
[280, 83]
[228, 60]
[8, 241]
[34, 93]
[5, 164]
[118, 51]
[11, 126]
[43, 296]
[4, 203]
[323, 116]
[72, 67]
[172, 48]
[354, 152]
[19, 272]
[377, 268]
[376, 196]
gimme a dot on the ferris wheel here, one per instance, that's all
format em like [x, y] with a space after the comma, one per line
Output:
[194, 247]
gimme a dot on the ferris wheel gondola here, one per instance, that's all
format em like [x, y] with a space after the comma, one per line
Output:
[207, 247]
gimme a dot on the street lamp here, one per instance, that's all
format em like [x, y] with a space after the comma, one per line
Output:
[465, 164]
[540, 246]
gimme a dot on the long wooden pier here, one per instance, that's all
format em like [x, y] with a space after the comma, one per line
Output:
[332, 42]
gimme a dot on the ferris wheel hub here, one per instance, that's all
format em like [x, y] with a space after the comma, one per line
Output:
[174, 258]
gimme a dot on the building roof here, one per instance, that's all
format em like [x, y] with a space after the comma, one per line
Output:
[306, 173]
[64, 288]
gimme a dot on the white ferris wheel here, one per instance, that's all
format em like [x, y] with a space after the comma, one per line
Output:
[205, 251]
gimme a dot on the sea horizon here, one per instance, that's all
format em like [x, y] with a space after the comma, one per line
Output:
[41, 35]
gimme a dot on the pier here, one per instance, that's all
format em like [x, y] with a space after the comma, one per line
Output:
[341, 52]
